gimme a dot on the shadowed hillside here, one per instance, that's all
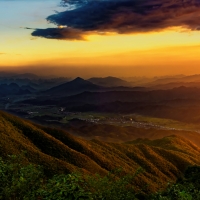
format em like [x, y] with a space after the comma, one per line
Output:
[58, 151]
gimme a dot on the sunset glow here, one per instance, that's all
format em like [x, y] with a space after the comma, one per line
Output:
[168, 51]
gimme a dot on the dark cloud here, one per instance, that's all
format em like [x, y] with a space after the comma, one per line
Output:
[122, 16]
[60, 33]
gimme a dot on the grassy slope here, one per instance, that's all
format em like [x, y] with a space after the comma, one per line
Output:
[162, 159]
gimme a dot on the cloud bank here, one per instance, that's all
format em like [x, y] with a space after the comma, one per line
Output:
[121, 17]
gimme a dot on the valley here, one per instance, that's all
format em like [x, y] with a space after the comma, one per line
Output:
[53, 116]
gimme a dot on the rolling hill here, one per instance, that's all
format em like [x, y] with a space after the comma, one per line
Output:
[163, 160]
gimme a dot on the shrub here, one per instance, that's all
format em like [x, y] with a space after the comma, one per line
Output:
[186, 188]
[19, 181]
[62, 187]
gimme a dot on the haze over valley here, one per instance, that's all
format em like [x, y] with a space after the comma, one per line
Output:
[61, 102]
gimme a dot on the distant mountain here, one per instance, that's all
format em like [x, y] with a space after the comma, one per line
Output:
[28, 87]
[134, 96]
[18, 76]
[20, 82]
[109, 82]
[12, 89]
[191, 78]
[7, 74]
[163, 160]
[26, 76]
[75, 86]
[145, 81]
[172, 85]
[185, 79]
[182, 104]
[80, 85]
[39, 84]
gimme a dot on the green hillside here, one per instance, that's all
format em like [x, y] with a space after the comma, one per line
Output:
[163, 160]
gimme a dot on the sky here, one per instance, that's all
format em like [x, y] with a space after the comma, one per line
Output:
[100, 37]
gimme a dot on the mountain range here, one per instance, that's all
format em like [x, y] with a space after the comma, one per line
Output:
[99, 83]
[79, 85]
[75, 86]
[80, 95]
[18, 76]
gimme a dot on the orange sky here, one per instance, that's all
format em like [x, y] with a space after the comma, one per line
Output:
[167, 52]
[171, 51]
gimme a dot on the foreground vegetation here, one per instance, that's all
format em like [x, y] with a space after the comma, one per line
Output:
[21, 181]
